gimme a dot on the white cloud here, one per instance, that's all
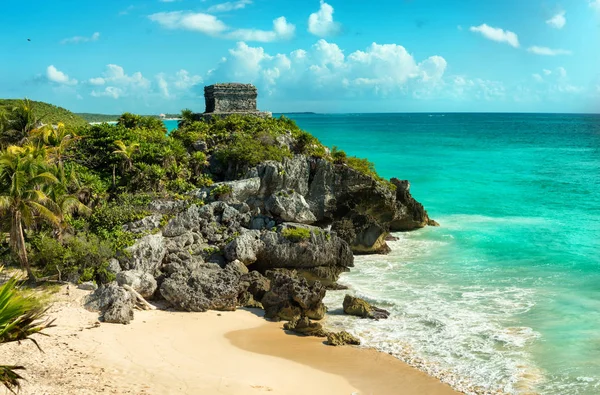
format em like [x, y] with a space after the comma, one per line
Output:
[558, 21]
[110, 91]
[58, 77]
[81, 39]
[172, 87]
[497, 34]
[462, 87]
[204, 23]
[211, 25]
[281, 30]
[548, 51]
[97, 81]
[547, 72]
[321, 23]
[538, 77]
[230, 6]
[595, 4]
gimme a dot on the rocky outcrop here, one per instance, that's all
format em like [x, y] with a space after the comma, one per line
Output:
[410, 213]
[114, 303]
[361, 308]
[321, 255]
[146, 255]
[207, 287]
[341, 339]
[290, 297]
[290, 206]
[305, 327]
[144, 225]
[142, 282]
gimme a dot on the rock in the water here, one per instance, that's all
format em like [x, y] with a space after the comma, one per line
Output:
[304, 326]
[291, 297]
[209, 287]
[142, 282]
[146, 255]
[114, 303]
[361, 308]
[341, 339]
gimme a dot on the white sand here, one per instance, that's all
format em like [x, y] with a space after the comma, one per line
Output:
[198, 353]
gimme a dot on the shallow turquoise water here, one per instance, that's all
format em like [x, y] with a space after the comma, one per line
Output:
[506, 293]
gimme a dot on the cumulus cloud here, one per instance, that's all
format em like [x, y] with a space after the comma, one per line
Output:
[56, 76]
[212, 26]
[497, 34]
[172, 87]
[595, 4]
[556, 83]
[545, 51]
[321, 23]
[119, 84]
[558, 21]
[281, 30]
[381, 69]
[230, 6]
[200, 22]
[537, 77]
[81, 39]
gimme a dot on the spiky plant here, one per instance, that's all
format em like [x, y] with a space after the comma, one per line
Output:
[21, 315]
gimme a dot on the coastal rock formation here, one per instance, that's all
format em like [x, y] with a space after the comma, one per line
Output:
[142, 282]
[146, 255]
[341, 339]
[305, 327]
[114, 303]
[361, 308]
[290, 297]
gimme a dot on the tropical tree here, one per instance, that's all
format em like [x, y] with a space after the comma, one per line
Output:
[24, 177]
[20, 317]
[187, 117]
[126, 151]
[18, 123]
[57, 140]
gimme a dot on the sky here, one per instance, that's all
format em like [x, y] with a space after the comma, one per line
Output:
[333, 56]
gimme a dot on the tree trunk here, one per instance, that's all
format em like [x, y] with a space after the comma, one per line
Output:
[19, 244]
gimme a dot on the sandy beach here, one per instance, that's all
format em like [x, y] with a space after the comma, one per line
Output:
[164, 352]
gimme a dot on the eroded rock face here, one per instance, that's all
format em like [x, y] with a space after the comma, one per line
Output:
[147, 224]
[142, 282]
[305, 327]
[114, 303]
[341, 339]
[290, 206]
[146, 255]
[291, 297]
[208, 287]
[361, 308]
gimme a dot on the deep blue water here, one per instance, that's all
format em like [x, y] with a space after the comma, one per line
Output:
[506, 293]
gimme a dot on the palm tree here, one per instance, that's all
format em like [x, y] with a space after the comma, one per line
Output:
[187, 117]
[126, 151]
[23, 176]
[18, 123]
[57, 140]
[20, 316]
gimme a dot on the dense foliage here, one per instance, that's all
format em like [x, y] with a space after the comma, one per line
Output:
[66, 193]
[46, 113]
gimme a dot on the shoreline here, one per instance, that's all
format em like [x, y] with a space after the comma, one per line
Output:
[167, 352]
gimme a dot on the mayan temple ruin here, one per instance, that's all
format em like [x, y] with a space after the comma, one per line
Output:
[230, 98]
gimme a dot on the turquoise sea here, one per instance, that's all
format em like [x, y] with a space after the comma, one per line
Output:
[505, 295]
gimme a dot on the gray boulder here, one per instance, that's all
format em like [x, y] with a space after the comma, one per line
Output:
[142, 282]
[146, 255]
[290, 206]
[209, 287]
[114, 303]
[146, 224]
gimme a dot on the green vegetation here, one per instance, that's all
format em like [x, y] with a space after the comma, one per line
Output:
[20, 317]
[45, 113]
[88, 117]
[296, 235]
[67, 191]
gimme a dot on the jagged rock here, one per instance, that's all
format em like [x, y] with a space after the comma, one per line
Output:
[256, 284]
[304, 326]
[114, 266]
[114, 303]
[341, 339]
[361, 308]
[290, 206]
[410, 214]
[167, 206]
[146, 224]
[370, 236]
[320, 254]
[88, 286]
[291, 174]
[291, 297]
[146, 255]
[238, 267]
[241, 190]
[209, 287]
[245, 299]
[142, 282]
[432, 222]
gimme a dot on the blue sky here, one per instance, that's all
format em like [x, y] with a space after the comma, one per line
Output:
[155, 56]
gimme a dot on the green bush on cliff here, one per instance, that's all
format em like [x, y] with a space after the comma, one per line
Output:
[296, 235]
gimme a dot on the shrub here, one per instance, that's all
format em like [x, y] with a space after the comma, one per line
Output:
[296, 235]
[221, 191]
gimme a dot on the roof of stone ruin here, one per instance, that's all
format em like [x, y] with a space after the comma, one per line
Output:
[235, 85]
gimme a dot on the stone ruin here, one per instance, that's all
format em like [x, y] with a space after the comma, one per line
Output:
[231, 98]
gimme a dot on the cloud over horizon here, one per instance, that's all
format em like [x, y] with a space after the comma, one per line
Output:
[497, 34]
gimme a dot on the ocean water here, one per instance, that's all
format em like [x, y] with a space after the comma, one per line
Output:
[505, 295]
